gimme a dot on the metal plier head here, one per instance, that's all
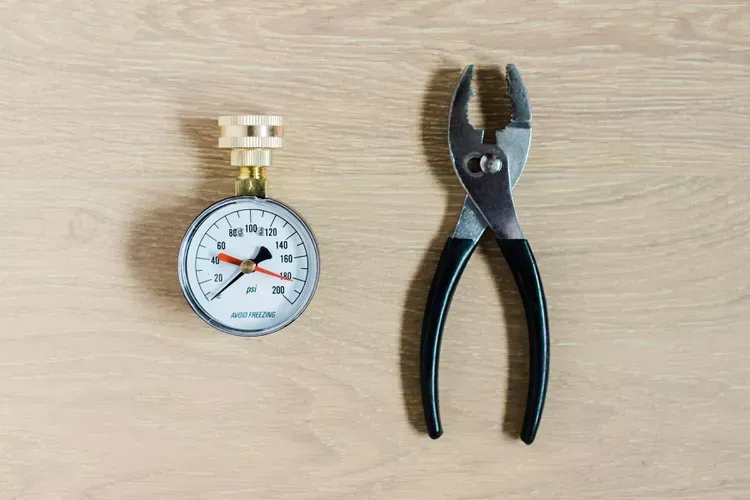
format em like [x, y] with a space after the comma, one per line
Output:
[501, 163]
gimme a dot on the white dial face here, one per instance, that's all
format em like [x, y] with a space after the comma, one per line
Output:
[248, 266]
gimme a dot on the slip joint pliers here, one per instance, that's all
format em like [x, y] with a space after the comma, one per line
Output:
[488, 203]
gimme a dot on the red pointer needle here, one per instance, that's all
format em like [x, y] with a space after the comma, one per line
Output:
[228, 258]
[271, 273]
[237, 262]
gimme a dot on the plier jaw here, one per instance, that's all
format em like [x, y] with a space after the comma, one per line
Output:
[489, 202]
[501, 163]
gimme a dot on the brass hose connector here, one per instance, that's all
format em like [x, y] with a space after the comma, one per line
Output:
[251, 139]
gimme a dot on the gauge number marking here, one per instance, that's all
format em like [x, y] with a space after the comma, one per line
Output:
[251, 234]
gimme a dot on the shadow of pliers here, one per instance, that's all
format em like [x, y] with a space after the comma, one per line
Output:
[489, 202]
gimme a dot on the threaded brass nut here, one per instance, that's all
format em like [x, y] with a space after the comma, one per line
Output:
[260, 120]
[251, 142]
[251, 137]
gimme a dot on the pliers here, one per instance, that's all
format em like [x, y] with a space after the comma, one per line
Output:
[488, 202]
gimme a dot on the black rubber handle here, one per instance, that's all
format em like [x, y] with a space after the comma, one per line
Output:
[456, 254]
[522, 264]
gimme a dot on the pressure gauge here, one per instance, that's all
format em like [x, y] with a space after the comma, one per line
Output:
[249, 265]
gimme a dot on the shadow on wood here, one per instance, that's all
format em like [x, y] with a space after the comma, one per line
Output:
[157, 232]
[435, 107]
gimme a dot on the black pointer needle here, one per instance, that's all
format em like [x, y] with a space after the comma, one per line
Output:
[263, 254]
[229, 283]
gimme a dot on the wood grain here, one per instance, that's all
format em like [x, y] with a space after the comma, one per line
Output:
[636, 199]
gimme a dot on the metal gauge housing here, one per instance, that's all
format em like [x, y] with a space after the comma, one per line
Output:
[248, 266]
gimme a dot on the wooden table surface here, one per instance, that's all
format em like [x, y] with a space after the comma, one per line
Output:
[636, 199]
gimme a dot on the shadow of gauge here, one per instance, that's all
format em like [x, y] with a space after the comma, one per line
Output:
[157, 231]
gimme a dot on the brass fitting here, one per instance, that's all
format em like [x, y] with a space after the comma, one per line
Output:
[251, 181]
[251, 139]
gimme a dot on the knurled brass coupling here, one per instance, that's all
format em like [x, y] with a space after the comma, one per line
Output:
[251, 139]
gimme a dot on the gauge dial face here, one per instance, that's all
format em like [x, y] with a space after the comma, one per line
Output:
[248, 266]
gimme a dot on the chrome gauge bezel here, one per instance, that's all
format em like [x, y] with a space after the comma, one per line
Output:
[313, 264]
